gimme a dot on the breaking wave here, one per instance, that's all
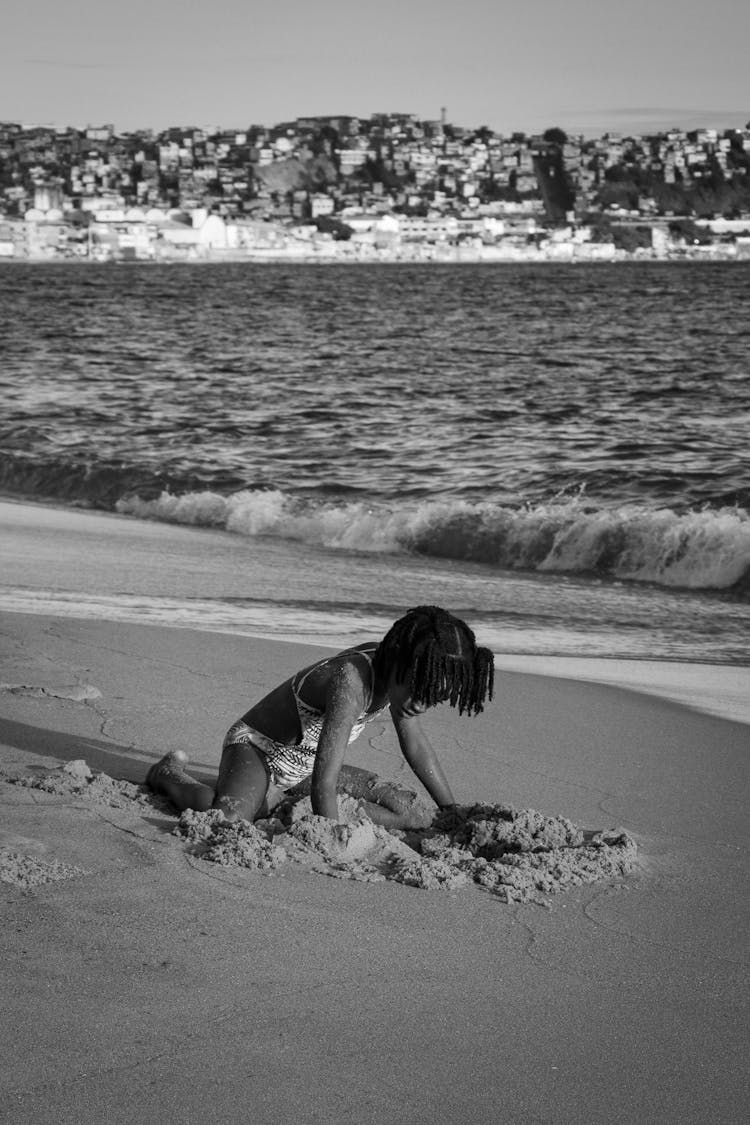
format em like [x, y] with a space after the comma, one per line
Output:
[700, 550]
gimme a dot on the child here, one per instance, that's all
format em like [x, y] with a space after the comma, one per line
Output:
[302, 728]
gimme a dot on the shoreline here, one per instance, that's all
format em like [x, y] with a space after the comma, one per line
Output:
[74, 564]
[720, 690]
[322, 259]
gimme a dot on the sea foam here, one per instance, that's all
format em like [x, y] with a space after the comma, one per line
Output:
[707, 549]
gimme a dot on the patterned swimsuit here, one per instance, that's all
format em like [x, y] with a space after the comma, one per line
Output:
[290, 763]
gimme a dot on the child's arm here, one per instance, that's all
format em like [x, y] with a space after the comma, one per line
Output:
[344, 704]
[417, 749]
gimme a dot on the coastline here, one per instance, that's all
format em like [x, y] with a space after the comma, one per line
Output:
[713, 255]
[75, 563]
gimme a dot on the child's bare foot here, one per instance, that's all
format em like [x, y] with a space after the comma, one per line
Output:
[170, 767]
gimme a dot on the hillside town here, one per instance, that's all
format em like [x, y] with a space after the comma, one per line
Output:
[391, 187]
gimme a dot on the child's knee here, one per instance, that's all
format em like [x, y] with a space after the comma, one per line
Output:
[202, 799]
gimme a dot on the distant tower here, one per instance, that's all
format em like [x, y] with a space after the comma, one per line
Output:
[443, 112]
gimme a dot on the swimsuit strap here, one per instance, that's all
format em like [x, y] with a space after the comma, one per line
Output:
[311, 719]
[299, 679]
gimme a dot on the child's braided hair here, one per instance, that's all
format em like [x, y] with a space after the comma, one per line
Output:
[436, 654]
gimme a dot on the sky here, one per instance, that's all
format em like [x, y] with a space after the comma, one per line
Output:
[586, 66]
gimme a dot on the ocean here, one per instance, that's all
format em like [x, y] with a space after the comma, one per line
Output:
[561, 453]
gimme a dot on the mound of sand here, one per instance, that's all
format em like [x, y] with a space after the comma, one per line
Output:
[231, 843]
[519, 856]
[355, 848]
[516, 855]
[76, 781]
[26, 871]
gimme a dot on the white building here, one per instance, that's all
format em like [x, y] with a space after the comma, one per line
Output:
[321, 204]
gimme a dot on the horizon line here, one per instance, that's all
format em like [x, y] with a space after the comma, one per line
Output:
[577, 129]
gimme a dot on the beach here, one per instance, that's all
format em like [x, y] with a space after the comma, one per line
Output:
[143, 983]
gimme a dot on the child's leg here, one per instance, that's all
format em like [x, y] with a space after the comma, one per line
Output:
[379, 814]
[386, 803]
[170, 778]
[243, 783]
[411, 817]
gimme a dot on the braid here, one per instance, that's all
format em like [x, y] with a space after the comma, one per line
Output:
[437, 656]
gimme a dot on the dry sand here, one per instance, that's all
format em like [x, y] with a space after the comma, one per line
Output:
[520, 856]
[149, 976]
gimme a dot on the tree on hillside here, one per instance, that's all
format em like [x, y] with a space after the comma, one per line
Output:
[631, 238]
[555, 136]
[339, 231]
[690, 232]
[618, 193]
[326, 142]
[490, 190]
[377, 172]
[601, 226]
[320, 172]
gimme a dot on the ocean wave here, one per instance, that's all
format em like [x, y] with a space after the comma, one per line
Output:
[91, 481]
[700, 550]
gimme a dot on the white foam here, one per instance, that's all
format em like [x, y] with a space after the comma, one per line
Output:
[697, 550]
[707, 549]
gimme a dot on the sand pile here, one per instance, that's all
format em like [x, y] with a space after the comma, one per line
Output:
[355, 848]
[519, 856]
[235, 843]
[25, 871]
[76, 781]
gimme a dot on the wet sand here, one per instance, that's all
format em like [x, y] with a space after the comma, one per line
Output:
[144, 982]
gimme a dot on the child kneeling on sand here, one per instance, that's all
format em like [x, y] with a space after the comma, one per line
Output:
[302, 728]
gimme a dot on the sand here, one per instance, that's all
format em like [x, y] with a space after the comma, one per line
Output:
[75, 780]
[25, 871]
[519, 856]
[716, 690]
[238, 844]
[151, 976]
